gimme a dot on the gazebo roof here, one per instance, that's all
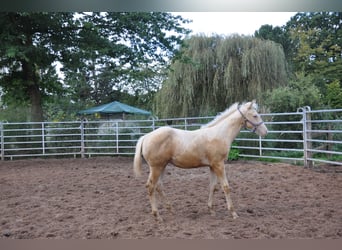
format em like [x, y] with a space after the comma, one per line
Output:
[114, 108]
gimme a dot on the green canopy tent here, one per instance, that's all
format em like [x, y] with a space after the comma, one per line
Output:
[114, 108]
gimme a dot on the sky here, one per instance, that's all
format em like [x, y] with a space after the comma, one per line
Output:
[227, 23]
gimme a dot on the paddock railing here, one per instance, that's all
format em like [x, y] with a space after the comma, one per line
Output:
[306, 137]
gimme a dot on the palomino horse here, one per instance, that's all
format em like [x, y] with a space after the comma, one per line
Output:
[207, 146]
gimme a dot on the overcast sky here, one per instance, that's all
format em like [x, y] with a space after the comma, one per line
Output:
[226, 23]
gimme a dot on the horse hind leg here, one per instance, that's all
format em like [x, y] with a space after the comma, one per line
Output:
[151, 186]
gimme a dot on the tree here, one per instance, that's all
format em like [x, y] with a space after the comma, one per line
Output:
[312, 45]
[98, 52]
[277, 34]
[298, 93]
[333, 96]
[214, 72]
[30, 44]
[317, 37]
[122, 52]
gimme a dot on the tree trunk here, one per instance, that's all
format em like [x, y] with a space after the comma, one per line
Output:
[36, 103]
[31, 76]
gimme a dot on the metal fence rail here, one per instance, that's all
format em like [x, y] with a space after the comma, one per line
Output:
[284, 140]
[304, 136]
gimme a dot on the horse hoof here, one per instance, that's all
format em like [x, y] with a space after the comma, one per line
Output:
[212, 212]
[170, 208]
[157, 216]
[159, 219]
[235, 216]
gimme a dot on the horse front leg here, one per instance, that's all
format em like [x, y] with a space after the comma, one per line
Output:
[221, 175]
[226, 190]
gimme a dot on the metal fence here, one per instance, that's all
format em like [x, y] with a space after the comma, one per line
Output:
[304, 136]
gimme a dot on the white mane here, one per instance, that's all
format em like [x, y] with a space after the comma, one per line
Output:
[221, 116]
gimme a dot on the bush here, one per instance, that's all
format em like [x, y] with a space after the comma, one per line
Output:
[298, 93]
[234, 153]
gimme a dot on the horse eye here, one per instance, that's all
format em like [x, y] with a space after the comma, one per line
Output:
[255, 116]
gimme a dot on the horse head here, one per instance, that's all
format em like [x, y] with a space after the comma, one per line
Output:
[251, 118]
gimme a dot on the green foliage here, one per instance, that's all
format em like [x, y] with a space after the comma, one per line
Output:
[312, 45]
[214, 72]
[334, 95]
[122, 52]
[316, 38]
[298, 93]
[14, 113]
[234, 153]
[30, 44]
[126, 56]
[100, 53]
[278, 35]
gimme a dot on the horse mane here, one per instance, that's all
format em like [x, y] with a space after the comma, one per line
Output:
[221, 116]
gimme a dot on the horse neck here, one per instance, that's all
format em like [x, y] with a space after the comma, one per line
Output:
[229, 127]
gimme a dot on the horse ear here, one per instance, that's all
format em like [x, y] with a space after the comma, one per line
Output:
[252, 103]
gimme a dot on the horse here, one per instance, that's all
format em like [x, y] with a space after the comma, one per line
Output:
[207, 146]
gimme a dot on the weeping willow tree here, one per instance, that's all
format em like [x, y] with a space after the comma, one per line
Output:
[213, 72]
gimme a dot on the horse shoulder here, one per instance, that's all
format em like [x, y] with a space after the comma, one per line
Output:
[215, 145]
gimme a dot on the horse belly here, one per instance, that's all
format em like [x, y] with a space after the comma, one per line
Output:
[189, 161]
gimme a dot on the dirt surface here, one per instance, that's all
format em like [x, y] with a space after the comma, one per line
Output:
[99, 198]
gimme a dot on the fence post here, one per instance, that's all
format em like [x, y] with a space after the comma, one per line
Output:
[2, 141]
[117, 137]
[260, 146]
[82, 138]
[43, 138]
[153, 124]
[307, 144]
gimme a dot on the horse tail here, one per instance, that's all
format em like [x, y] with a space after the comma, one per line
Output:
[138, 157]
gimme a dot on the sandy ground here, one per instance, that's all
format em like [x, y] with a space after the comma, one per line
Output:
[99, 198]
